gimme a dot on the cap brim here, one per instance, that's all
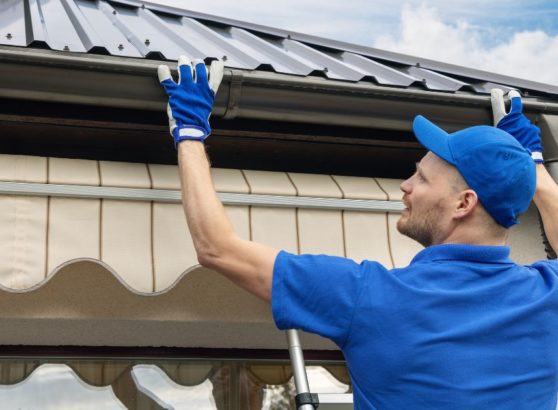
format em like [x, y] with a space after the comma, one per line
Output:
[433, 138]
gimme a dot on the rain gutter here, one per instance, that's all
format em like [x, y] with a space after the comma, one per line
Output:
[107, 81]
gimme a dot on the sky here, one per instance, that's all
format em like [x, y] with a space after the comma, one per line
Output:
[516, 38]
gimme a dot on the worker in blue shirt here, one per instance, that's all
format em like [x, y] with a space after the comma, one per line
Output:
[461, 327]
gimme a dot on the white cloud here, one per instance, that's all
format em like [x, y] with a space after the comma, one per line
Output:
[532, 55]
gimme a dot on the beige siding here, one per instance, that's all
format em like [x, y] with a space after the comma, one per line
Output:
[68, 215]
[148, 244]
[23, 241]
[126, 235]
[275, 227]
[23, 221]
[73, 230]
[315, 185]
[173, 249]
[73, 171]
[23, 168]
[366, 235]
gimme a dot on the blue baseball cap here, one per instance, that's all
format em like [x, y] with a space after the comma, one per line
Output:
[491, 161]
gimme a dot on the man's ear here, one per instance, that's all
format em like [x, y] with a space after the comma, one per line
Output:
[467, 201]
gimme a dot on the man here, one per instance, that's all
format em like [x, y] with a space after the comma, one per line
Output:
[462, 327]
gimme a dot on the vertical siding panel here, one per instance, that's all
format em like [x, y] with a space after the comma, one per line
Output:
[273, 226]
[366, 235]
[73, 222]
[24, 224]
[319, 231]
[22, 240]
[126, 226]
[173, 249]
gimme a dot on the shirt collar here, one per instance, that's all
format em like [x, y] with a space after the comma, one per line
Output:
[461, 252]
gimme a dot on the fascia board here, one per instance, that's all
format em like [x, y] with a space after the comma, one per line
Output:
[106, 81]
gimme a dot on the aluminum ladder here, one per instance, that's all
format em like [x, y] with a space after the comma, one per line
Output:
[304, 399]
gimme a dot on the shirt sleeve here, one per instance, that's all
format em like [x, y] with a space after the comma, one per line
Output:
[316, 293]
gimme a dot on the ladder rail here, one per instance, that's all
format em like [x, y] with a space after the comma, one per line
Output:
[299, 369]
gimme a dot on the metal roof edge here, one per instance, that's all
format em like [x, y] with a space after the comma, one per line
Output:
[43, 75]
[389, 56]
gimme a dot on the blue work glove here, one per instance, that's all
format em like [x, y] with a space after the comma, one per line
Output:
[515, 123]
[191, 99]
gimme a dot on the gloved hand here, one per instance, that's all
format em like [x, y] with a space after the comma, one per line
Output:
[515, 123]
[191, 99]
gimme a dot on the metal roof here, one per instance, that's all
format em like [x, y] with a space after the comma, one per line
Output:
[130, 28]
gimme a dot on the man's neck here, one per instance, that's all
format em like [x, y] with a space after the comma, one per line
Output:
[475, 235]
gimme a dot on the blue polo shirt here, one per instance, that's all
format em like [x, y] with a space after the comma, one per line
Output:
[462, 327]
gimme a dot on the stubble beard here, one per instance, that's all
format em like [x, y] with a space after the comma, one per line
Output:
[421, 228]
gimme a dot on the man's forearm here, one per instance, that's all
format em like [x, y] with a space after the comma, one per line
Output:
[546, 199]
[207, 221]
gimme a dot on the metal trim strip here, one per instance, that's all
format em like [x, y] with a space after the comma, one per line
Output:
[174, 196]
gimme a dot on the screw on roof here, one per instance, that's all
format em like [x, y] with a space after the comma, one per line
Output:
[326, 69]
[114, 12]
[9, 36]
[143, 6]
[66, 48]
[224, 58]
[147, 42]
[120, 47]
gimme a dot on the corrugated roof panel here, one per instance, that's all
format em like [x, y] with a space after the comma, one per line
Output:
[12, 21]
[433, 80]
[34, 22]
[382, 73]
[132, 28]
[109, 36]
[192, 33]
[52, 25]
[84, 30]
[266, 52]
[167, 37]
[329, 64]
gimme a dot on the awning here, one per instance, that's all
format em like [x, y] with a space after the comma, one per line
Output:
[98, 253]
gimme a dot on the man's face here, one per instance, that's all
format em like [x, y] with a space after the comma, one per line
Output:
[427, 198]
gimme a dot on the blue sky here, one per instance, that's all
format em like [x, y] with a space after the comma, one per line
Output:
[518, 38]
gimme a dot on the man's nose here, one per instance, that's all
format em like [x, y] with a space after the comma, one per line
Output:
[405, 186]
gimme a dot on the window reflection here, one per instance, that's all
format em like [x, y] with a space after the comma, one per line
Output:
[322, 381]
[319, 380]
[159, 383]
[54, 387]
[152, 381]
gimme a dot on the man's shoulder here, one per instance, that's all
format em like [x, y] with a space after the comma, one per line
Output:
[551, 264]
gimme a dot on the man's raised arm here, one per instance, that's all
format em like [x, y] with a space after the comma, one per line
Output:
[546, 199]
[519, 126]
[246, 263]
